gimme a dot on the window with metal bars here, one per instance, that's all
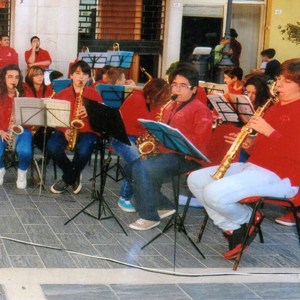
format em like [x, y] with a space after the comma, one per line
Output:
[139, 22]
[5, 7]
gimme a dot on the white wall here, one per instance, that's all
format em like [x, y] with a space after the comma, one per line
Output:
[55, 22]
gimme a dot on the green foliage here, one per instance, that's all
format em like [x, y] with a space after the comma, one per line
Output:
[291, 33]
[171, 67]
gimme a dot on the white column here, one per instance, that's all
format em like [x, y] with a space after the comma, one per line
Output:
[172, 35]
[55, 22]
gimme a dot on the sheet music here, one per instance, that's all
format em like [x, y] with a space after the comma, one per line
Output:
[173, 139]
[243, 106]
[223, 107]
[31, 111]
[213, 88]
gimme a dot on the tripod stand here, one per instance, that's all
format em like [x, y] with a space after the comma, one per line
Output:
[173, 139]
[40, 112]
[107, 121]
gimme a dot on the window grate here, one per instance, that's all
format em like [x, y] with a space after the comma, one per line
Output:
[5, 9]
[122, 20]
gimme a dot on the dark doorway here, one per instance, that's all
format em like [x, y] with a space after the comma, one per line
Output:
[199, 32]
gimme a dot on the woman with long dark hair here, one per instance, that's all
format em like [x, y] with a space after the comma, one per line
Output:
[11, 85]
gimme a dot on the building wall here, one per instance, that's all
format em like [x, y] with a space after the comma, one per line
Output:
[290, 13]
[55, 22]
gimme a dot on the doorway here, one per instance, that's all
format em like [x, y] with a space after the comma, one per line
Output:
[199, 32]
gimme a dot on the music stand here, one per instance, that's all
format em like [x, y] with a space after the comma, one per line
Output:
[40, 112]
[173, 139]
[108, 122]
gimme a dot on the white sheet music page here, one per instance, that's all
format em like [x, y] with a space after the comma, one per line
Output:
[29, 111]
[223, 107]
[58, 112]
[243, 105]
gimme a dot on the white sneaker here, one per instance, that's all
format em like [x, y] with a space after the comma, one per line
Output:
[165, 213]
[22, 180]
[2, 173]
[142, 224]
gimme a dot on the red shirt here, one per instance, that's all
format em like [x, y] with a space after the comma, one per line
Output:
[232, 90]
[5, 112]
[98, 82]
[201, 95]
[280, 152]
[194, 121]
[68, 94]
[42, 55]
[134, 108]
[40, 93]
[8, 56]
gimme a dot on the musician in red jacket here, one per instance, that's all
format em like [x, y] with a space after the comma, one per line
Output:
[272, 169]
[87, 140]
[194, 120]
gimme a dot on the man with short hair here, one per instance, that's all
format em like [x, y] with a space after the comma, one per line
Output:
[8, 55]
[37, 56]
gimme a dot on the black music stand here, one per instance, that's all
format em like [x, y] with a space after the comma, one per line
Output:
[39, 112]
[108, 122]
[173, 139]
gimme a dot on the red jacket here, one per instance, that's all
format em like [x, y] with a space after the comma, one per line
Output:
[8, 56]
[280, 152]
[134, 108]
[40, 93]
[68, 94]
[194, 121]
[5, 112]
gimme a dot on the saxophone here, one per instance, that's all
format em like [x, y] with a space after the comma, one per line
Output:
[143, 70]
[76, 123]
[13, 129]
[244, 133]
[147, 143]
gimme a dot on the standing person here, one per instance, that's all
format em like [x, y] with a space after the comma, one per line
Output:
[11, 85]
[272, 169]
[194, 120]
[87, 139]
[233, 78]
[8, 55]
[235, 48]
[145, 104]
[37, 56]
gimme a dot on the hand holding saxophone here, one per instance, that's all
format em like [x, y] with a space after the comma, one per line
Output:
[231, 137]
[258, 124]
[82, 112]
[4, 135]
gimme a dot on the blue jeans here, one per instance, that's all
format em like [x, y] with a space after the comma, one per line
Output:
[128, 154]
[85, 146]
[146, 178]
[23, 149]
[220, 197]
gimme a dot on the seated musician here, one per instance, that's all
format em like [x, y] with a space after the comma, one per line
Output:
[233, 78]
[272, 169]
[142, 104]
[116, 76]
[103, 78]
[11, 85]
[194, 120]
[87, 140]
[35, 87]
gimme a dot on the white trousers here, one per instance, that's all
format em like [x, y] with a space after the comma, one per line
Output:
[220, 197]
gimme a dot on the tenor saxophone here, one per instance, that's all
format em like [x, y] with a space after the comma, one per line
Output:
[13, 129]
[244, 133]
[147, 143]
[76, 123]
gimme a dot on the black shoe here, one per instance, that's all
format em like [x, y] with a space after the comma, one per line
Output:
[58, 187]
[235, 240]
[77, 186]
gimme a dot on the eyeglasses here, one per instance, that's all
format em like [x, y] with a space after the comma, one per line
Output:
[38, 75]
[180, 86]
[13, 77]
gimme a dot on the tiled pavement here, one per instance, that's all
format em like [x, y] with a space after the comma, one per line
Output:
[267, 271]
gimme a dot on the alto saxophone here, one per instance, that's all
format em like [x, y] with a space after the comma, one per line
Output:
[147, 143]
[244, 133]
[13, 129]
[76, 123]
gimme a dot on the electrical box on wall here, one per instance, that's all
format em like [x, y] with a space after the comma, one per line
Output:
[278, 11]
